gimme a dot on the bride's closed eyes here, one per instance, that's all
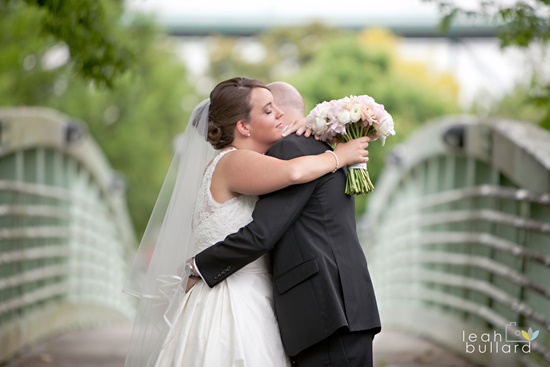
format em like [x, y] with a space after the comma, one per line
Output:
[268, 109]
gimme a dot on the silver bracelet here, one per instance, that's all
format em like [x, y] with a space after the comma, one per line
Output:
[335, 157]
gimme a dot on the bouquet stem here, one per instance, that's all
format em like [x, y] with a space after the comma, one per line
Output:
[358, 181]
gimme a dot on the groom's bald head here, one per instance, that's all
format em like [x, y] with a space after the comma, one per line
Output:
[289, 100]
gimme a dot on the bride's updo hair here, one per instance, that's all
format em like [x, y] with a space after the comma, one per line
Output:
[229, 103]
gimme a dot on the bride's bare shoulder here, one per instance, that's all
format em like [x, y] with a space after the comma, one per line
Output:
[242, 159]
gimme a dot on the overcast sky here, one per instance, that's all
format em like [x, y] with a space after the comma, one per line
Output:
[325, 8]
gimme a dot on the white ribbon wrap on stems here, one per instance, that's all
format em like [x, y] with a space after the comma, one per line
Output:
[358, 166]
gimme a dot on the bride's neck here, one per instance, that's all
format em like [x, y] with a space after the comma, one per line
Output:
[249, 144]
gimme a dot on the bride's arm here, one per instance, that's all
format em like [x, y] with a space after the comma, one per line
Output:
[251, 173]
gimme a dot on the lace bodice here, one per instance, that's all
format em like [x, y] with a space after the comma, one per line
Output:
[213, 221]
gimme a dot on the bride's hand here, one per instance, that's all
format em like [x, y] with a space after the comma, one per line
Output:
[299, 127]
[352, 152]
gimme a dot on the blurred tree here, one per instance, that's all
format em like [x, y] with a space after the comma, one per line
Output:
[273, 54]
[520, 24]
[134, 122]
[85, 27]
[444, 82]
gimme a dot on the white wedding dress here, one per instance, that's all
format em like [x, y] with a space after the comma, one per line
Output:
[232, 324]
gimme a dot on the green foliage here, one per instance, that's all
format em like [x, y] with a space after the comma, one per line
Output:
[85, 27]
[23, 80]
[520, 24]
[134, 122]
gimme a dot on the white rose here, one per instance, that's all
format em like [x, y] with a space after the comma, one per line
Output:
[344, 116]
[385, 127]
[319, 125]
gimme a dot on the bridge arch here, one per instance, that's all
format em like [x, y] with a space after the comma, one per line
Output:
[458, 237]
[65, 234]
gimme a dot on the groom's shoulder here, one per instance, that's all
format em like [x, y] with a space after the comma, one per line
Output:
[301, 141]
[293, 145]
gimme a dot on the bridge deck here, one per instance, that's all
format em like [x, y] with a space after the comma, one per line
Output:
[106, 347]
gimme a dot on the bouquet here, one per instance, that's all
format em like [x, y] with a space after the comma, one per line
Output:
[349, 118]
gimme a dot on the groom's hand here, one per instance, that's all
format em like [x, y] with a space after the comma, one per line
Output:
[190, 284]
[193, 276]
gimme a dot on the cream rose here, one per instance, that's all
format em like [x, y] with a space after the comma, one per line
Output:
[355, 113]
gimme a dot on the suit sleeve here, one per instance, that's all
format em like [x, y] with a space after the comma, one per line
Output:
[273, 215]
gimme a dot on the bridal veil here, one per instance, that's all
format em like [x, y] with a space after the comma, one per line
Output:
[156, 277]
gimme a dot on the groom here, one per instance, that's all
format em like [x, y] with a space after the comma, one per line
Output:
[323, 294]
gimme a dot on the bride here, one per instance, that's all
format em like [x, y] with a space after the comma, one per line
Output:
[233, 324]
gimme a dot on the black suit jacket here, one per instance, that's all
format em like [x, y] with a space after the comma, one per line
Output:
[320, 277]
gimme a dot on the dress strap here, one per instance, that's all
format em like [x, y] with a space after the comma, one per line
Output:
[219, 156]
[222, 153]
[212, 166]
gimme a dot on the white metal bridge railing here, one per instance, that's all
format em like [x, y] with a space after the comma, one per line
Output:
[65, 234]
[458, 239]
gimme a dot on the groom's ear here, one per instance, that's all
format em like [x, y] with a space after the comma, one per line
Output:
[243, 128]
